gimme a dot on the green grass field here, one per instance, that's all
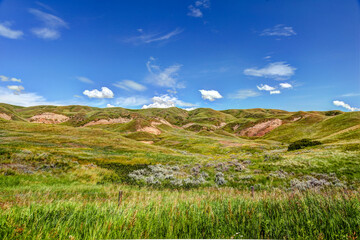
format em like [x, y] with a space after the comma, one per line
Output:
[61, 181]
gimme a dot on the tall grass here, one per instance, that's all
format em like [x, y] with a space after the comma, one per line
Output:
[82, 212]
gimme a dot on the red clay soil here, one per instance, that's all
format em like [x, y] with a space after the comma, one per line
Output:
[261, 129]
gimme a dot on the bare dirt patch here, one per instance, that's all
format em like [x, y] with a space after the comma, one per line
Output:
[108, 121]
[49, 118]
[230, 144]
[147, 142]
[151, 130]
[5, 116]
[261, 129]
[187, 125]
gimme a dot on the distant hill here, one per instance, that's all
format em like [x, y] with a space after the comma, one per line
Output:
[152, 125]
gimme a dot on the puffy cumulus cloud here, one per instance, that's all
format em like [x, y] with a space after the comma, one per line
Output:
[104, 93]
[85, 80]
[279, 30]
[166, 101]
[163, 77]
[109, 105]
[9, 79]
[16, 88]
[130, 85]
[244, 93]
[285, 85]
[133, 101]
[51, 25]
[265, 87]
[345, 105]
[276, 70]
[275, 92]
[210, 95]
[144, 38]
[7, 32]
[195, 9]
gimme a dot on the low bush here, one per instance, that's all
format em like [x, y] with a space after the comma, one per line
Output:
[300, 144]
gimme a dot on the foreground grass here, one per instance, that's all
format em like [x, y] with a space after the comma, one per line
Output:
[80, 211]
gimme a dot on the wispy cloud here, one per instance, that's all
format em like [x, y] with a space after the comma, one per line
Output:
[244, 93]
[350, 95]
[345, 105]
[166, 101]
[133, 101]
[210, 95]
[16, 88]
[265, 87]
[167, 77]
[285, 85]
[153, 37]
[51, 25]
[276, 70]
[104, 93]
[130, 85]
[24, 99]
[7, 32]
[85, 80]
[9, 79]
[195, 10]
[279, 30]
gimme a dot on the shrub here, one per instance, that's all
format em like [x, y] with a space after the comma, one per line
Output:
[300, 144]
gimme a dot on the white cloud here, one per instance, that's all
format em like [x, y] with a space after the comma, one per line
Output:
[166, 101]
[46, 33]
[265, 87]
[195, 11]
[163, 78]
[285, 85]
[16, 88]
[243, 94]
[7, 32]
[153, 37]
[275, 92]
[133, 101]
[109, 105]
[189, 109]
[279, 30]
[51, 25]
[210, 95]
[350, 95]
[104, 93]
[345, 105]
[130, 85]
[24, 99]
[276, 70]
[8, 79]
[85, 80]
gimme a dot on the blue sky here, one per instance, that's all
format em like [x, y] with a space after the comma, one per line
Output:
[291, 55]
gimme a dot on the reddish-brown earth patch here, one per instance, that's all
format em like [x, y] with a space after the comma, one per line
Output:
[5, 116]
[230, 144]
[49, 118]
[261, 129]
[108, 121]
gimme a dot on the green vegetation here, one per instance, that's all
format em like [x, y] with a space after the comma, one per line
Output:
[303, 143]
[61, 181]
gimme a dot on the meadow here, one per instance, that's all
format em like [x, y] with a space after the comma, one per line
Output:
[62, 181]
